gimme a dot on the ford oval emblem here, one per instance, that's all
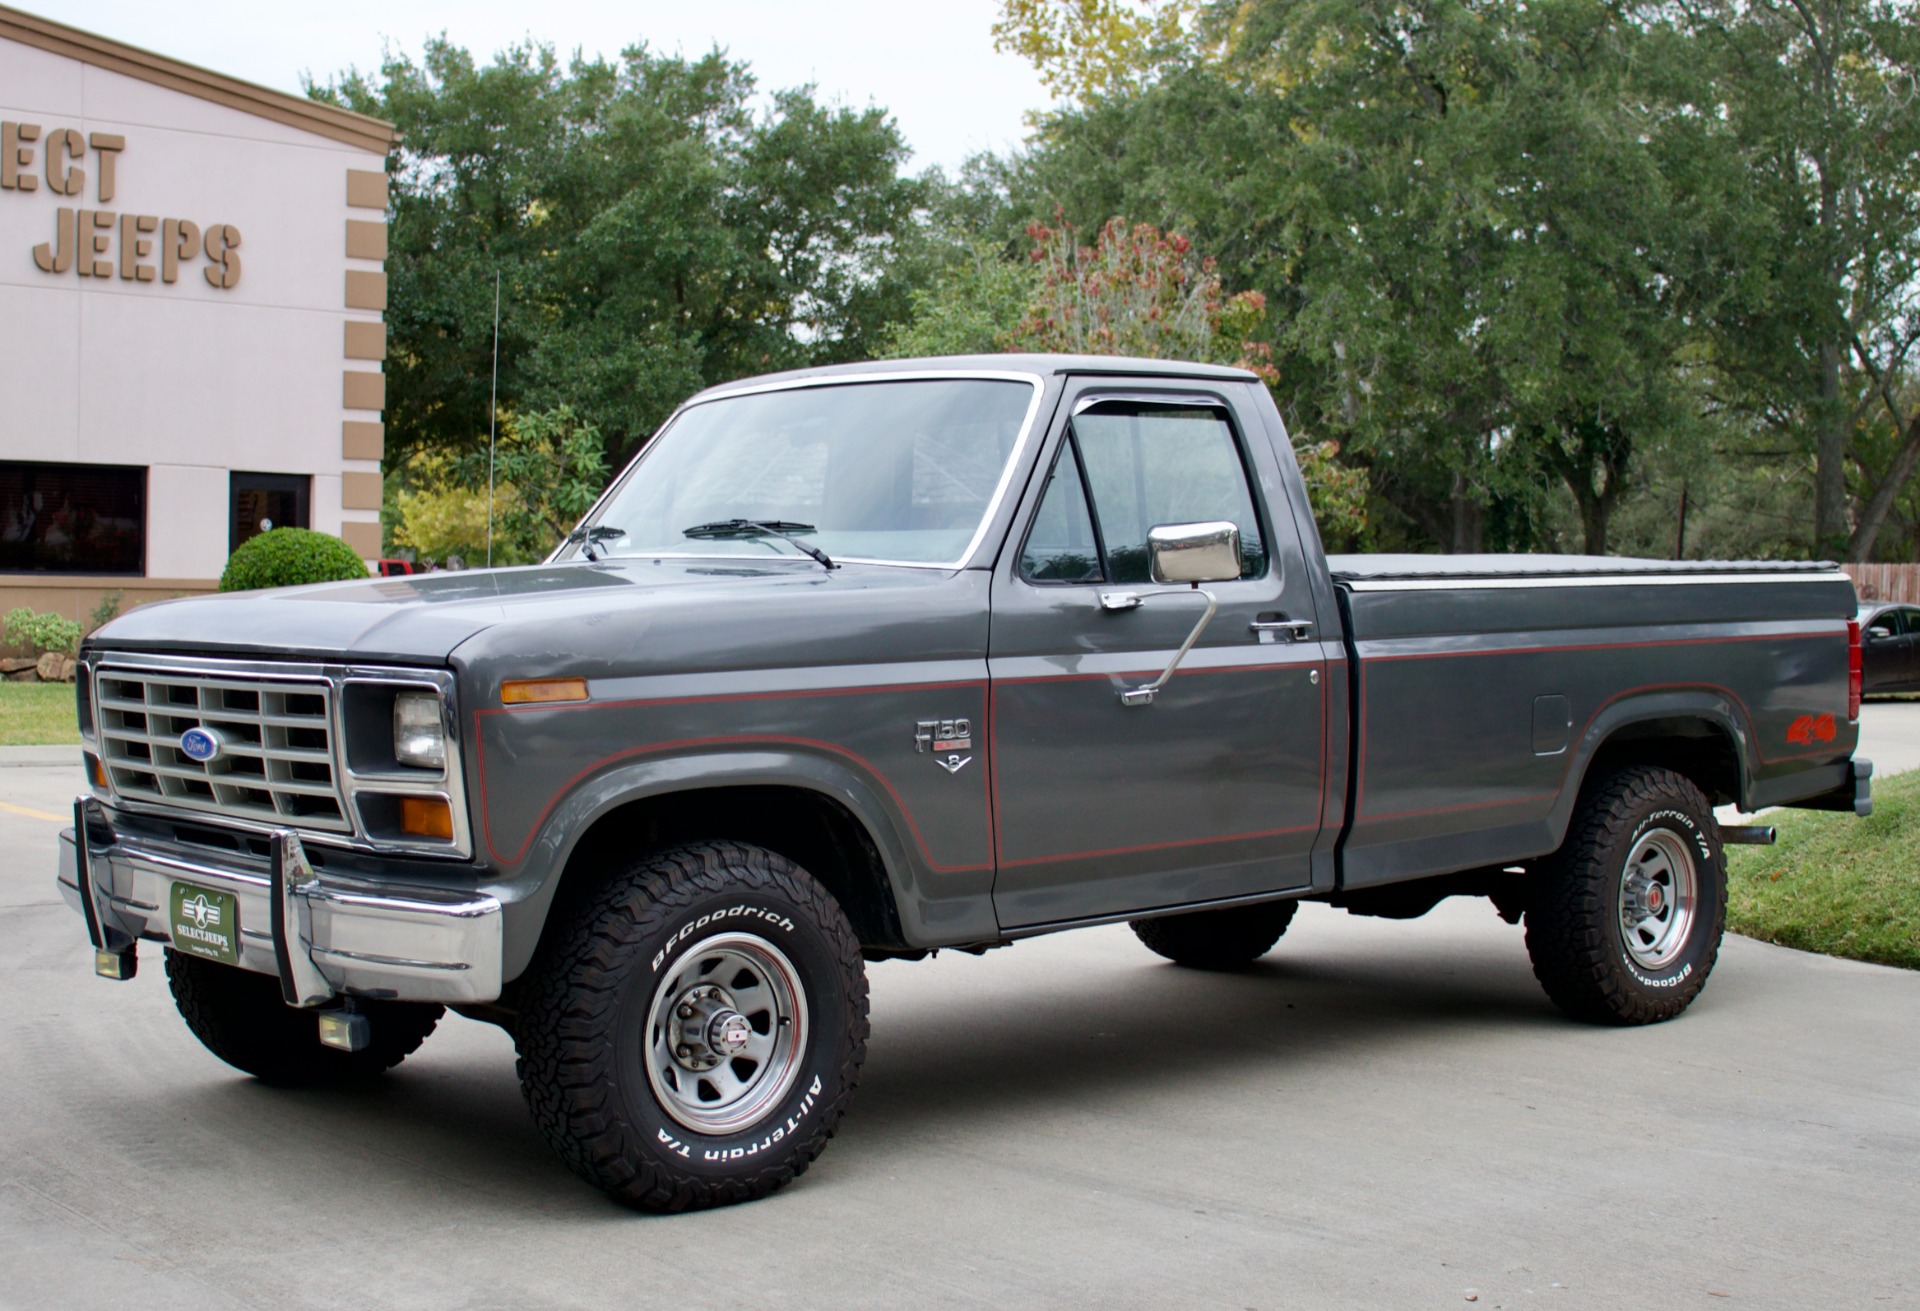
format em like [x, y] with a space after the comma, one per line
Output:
[201, 744]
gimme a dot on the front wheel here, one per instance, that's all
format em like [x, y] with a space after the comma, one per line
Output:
[695, 1035]
[1626, 923]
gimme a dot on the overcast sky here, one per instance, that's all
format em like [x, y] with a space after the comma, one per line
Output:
[933, 68]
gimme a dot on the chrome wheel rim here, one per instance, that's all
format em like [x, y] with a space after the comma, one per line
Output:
[725, 1033]
[1658, 891]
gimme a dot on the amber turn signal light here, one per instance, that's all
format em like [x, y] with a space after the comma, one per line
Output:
[426, 817]
[534, 691]
[96, 771]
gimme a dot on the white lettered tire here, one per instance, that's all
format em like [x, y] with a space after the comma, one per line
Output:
[693, 1036]
[1626, 922]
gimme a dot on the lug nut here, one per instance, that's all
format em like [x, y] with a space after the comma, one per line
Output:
[686, 1011]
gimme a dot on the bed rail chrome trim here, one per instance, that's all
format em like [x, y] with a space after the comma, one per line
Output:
[1574, 580]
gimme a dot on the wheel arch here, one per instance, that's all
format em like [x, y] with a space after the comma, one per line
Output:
[823, 817]
[1702, 734]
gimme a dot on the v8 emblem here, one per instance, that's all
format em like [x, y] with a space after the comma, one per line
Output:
[952, 764]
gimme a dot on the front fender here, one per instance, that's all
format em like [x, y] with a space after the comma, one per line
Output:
[936, 904]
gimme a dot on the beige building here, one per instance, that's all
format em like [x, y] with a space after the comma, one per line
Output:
[191, 290]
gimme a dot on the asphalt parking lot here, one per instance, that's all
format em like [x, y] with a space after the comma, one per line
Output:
[1381, 1115]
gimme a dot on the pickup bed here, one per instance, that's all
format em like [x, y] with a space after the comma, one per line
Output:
[862, 663]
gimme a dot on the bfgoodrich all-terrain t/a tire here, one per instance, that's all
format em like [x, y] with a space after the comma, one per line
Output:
[1228, 939]
[241, 1017]
[1626, 922]
[693, 1036]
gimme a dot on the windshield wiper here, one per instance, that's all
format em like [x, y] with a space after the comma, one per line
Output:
[784, 529]
[592, 537]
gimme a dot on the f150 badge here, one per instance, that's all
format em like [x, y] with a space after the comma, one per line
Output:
[946, 738]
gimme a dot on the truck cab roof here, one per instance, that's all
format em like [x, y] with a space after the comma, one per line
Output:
[1042, 365]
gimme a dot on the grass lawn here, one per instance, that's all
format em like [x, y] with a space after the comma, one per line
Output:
[37, 714]
[1834, 883]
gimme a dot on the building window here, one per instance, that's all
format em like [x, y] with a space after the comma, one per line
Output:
[72, 518]
[266, 500]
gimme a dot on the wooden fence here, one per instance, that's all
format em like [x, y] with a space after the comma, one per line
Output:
[1886, 582]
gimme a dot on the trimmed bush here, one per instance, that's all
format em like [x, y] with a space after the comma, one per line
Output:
[42, 632]
[287, 557]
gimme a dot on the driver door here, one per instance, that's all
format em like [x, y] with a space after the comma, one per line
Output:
[1213, 790]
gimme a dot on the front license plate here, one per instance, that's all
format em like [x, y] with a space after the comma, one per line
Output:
[205, 922]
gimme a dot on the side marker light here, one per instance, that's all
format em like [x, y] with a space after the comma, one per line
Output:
[538, 691]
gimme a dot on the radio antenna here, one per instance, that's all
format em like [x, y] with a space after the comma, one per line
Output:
[493, 413]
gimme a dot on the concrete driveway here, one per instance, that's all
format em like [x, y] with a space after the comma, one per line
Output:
[1381, 1115]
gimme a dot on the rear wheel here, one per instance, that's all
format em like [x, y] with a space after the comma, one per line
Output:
[241, 1017]
[694, 1036]
[1626, 922]
[1228, 939]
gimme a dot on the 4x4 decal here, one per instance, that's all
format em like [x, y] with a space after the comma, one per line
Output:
[1809, 729]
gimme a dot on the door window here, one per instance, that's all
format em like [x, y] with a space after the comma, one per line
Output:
[1062, 547]
[1142, 466]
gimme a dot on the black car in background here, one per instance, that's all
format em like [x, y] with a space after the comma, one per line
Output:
[1889, 647]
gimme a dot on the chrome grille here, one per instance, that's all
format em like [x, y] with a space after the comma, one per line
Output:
[276, 762]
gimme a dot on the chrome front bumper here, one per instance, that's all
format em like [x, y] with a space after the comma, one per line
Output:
[321, 936]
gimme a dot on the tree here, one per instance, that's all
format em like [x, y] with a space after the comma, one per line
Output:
[1822, 104]
[1480, 223]
[1138, 291]
[651, 234]
[548, 469]
[1084, 49]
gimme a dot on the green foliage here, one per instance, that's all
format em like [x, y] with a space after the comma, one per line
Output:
[42, 632]
[1814, 341]
[287, 557]
[107, 610]
[549, 469]
[652, 235]
[1138, 291]
[1835, 883]
[1089, 48]
[1539, 267]
[969, 308]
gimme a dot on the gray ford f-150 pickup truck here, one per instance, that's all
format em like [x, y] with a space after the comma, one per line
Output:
[858, 663]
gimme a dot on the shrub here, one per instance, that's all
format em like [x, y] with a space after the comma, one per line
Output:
[286, 557]
[43, 632]
[107, 611]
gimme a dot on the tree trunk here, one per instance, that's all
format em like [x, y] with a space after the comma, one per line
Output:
[1874, 514]
[1469, 520]
[1829, 457]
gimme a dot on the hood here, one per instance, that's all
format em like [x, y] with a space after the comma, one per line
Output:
[423, 618]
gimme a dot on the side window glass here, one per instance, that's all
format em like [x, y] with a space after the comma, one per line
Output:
[1151, 465]
[1061, 546]
[1906, 622]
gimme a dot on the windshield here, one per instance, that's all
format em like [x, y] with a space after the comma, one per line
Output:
[900, 472]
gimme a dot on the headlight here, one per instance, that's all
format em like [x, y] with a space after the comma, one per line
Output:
[419, 731]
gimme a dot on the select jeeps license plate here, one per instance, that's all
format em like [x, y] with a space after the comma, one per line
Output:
[204, 922]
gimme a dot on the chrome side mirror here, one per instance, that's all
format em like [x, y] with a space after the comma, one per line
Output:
[1191, 553]
[1194, 552]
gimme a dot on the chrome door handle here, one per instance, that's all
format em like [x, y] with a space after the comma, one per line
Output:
[1297, 630]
